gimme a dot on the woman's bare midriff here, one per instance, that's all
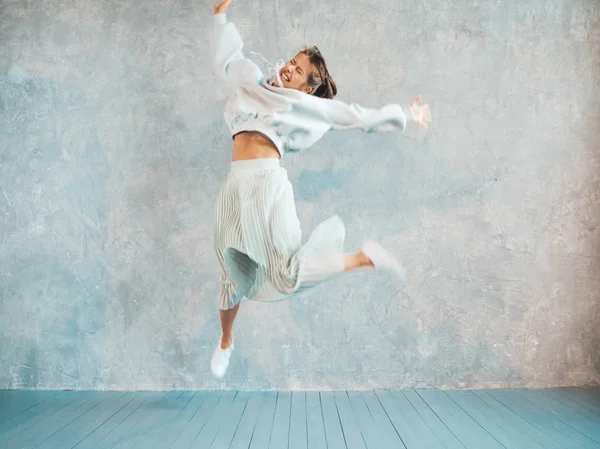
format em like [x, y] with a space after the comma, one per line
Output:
[253, 145]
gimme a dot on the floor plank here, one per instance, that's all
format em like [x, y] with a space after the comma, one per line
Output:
[499, 428]
[298, 427]
[230, 421]
[79, 428]
[502, 419]
[183, 418]
[580, 401]
[47, 427]
[14, 402]
[106, 427]
[470, 433]
[197, 422]
[518, 423]
[205, 437]
[576, 418]
[381, 422]
[161, 422]
[264, 423]
[28, 417]
[543, 421]
[128, 430]
[315, 423]
[410, 427]
[445, 436]
[366, 424]
[352, 434]
[587, 396]
[281, 422]
[245, 430]
[334, 434]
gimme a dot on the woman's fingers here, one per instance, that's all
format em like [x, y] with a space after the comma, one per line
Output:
[422, 113]
[221, 7]
[426, 113]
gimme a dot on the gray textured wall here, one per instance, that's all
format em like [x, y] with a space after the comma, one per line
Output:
[112, 148]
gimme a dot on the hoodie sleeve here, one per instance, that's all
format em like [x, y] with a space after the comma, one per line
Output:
[228, 59]
[391, 117]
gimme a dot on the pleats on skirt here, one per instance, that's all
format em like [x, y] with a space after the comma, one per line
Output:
[257, 237]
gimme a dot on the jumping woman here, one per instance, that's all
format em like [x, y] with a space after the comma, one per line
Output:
[257, 234]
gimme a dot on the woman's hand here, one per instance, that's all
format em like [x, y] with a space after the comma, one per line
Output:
[221, 8]
[421, 114]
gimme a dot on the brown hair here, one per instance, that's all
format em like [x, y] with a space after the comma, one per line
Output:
[321, 82]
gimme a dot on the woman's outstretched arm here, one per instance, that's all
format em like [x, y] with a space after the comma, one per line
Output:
[229, 61]
[391, 117]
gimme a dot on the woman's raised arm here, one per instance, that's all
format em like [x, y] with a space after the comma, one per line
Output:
[228, 59]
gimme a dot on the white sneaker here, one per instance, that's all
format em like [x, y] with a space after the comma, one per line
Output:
[382, 259]
[220, 360]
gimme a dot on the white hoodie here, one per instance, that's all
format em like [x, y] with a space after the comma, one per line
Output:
[292, 119]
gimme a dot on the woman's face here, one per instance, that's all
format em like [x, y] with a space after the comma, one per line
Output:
[294, 74]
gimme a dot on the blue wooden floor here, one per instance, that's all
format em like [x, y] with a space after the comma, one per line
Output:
[566, 418]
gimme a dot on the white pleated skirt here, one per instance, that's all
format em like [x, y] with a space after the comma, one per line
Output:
[258, 240]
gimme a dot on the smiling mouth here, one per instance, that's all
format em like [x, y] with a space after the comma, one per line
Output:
[285, 77]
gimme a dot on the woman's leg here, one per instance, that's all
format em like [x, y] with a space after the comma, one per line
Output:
[227, 319]
[357, 261]
[371, 256]
[230, 298]
[220, 358]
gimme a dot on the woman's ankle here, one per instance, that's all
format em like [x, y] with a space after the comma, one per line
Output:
[365, 261]
[226, 341]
